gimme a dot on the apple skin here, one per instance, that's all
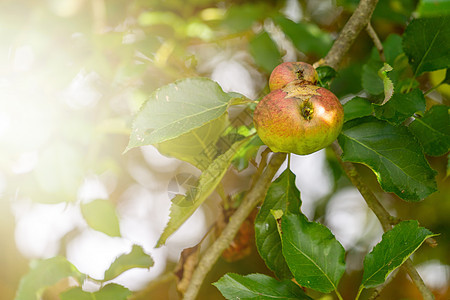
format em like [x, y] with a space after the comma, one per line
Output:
[299, 118]
[290, 71]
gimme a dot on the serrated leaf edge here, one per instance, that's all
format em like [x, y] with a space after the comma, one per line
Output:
[403, 260]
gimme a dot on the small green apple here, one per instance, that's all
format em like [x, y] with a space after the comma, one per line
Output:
[290, 71]
[299, 118]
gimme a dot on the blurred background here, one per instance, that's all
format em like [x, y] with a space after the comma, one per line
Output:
[74, 72]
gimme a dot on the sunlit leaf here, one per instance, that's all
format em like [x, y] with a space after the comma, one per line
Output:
[247, 152]
[178, 108]
[356, 108]
[433, 130]
[184, 206]
[44, 274]
[242, 17]
[101, 215]
[59, 172]
[392, 153]
[265, 52]
[387, 82]
[198, 146]
[427, 45]
[395, 247]
[110, 291]
[314, 256]
[149, 18]
[376, 76]
[307, 37]
[398, 11]
[137, 258]
[433, 8]
[448, 165]
[401, 106]
[282, 195]
[447, 76]
[258, 287]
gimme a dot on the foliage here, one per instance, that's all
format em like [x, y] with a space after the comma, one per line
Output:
[147, 69]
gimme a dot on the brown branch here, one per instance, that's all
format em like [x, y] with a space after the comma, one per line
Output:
[352, 28]
[382, 214]
[376, 293]
[376, 41]
[250, 201]
[415, 277]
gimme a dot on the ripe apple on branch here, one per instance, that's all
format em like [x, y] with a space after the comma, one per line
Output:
[297, 116]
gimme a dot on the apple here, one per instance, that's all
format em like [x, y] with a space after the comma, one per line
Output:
[298, 118]
[290, 71]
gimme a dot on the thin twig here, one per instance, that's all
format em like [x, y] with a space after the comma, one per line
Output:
[415, 277]
[376, 41]
[382, 214]
[352, 28]
[376, 293]
[248, 204]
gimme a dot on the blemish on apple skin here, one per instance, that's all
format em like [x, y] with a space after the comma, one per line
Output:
[306, 110]
[167, 98]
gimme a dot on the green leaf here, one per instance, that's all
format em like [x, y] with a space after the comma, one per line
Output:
[326, 75]
[392, 48]
[448, 165]
[184, 206]
[265, 52]
[137, 258]
[375, 79]
[44, 274]
[247, 152]
[101, 215]
[307, 37]
[258, 287]
[387, 82]
[59, 172]
[312, 253]
[447, 76]
[427, 45]
[348, 81]
[401, 106]
[242, 17]
[238, 99]
[395, 247]
[392, 153]
[110, 291]
[76, 293]
[282, 195]
[198, 146]
[356, 108]
[398, 11]
[433, 8]
[433, 130]
[371, 81]
[177, 108]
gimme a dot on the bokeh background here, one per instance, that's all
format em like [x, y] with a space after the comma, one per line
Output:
[74, 72]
